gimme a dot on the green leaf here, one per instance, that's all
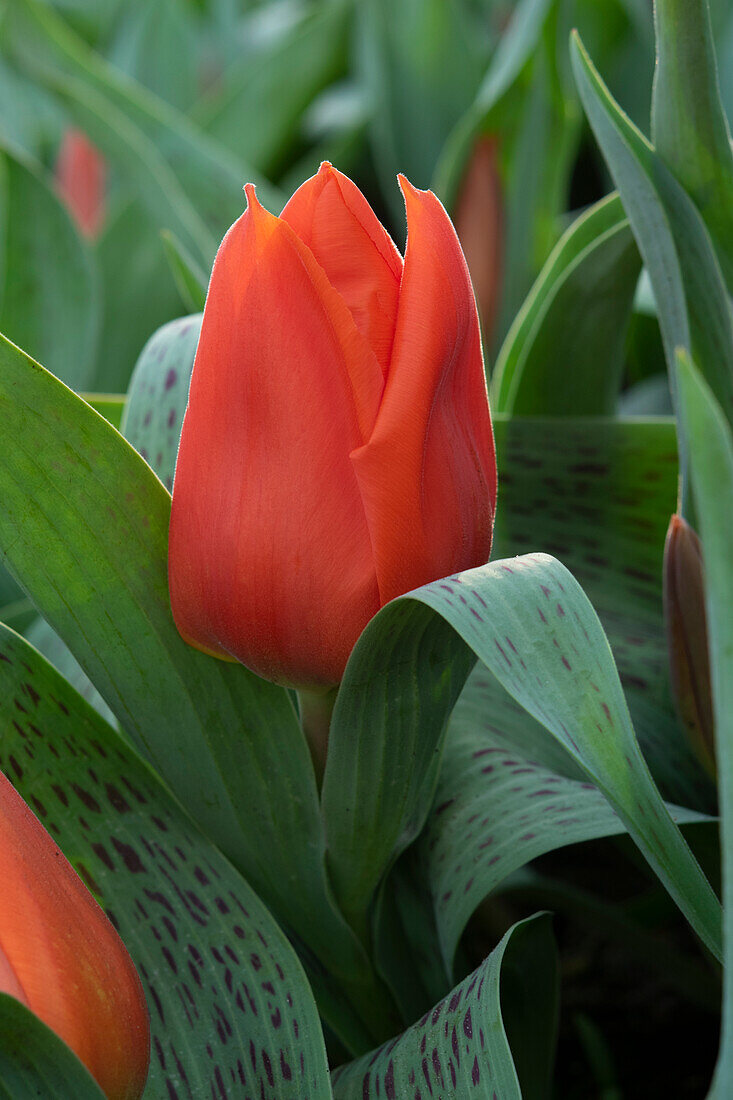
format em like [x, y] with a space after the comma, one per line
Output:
[496, 809]
[598, 494]
[421, 62]
[689, 127]
[513, 52]
[35, 1062]
[48, 296]
[465, 1045]
[257, 108]
[694, 310]
[158, 393]
[168, 157]
[712, 473]
[188, 276]
[530, 623]
[563, 355]
[139, 293]
[158, 45]
[109, 405]
[229, 1003]
[229, 744]
[47, 642]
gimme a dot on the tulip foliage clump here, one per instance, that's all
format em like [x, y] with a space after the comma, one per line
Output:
[366, 651]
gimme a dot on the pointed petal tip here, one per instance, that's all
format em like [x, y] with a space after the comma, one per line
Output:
[251, 193]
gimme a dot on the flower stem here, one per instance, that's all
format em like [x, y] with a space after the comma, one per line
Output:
[316, 708]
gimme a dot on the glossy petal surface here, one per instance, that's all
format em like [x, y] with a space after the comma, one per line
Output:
[61, 953]
[270, 559]
[428, 473]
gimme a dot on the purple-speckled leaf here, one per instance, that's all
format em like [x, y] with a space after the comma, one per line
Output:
[529, 621]
[230, 1008]
[598, 494]
[84, 527]
[461, 1047]
[158, 392]
[496, 809]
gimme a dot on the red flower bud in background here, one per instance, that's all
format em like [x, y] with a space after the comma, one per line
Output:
[61, 957]
[81, 172]
[687, 637]
[337, 448]
[478, 217]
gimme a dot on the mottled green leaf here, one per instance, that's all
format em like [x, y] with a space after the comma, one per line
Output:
[530, 623]
[229, 1004]
[496, 809]
[156, 399]
[229, 744]
[461, 1048]
[598, 494]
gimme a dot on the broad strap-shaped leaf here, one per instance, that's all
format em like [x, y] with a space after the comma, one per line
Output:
[712, 474]
[156, 399]
[49, 299]
[230, 1007]
[229, 745]
[399, 687]
[692, 300]
[461, 1048]
[496, 809]
[564, 353]
[689, 127]
[34, 1062]
[528, 620]
[598, 494]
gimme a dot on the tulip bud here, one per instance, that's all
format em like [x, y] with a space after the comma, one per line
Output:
[478, 218]
[80, 177]
[61, 957]
[687, 638]
[337, 448]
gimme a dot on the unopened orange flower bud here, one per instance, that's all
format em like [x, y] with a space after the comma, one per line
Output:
[687, 639]
[478, 218]
[337, 448]
[81, 177]
[61, 957]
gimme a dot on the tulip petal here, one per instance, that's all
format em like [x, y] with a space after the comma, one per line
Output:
[283, 388]
[330, 214]
[65, 957]
[428, 473]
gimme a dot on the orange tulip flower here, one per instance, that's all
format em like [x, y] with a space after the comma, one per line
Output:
[61, 957]
[80, 177]
[337, 448]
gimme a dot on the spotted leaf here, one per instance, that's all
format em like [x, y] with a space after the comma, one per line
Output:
[496, 808]
[158, 392]
[230, 1007]
[462, 1047]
